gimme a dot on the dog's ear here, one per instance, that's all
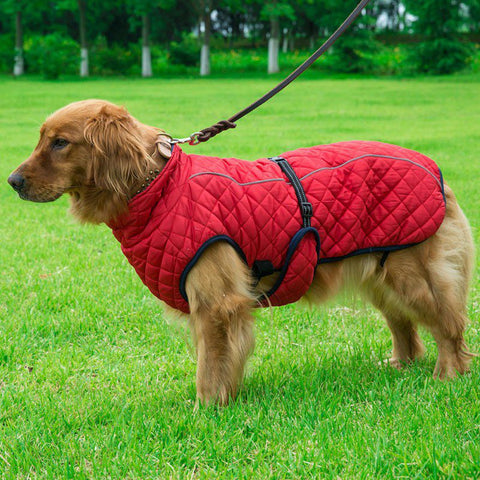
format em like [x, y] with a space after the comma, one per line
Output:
[119, 159]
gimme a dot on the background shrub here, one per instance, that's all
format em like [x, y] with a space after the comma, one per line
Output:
[52, 55]
[439, 23]
[6, 53]
[114, 59]
[355, 52]
[186, 52]
[441, 56]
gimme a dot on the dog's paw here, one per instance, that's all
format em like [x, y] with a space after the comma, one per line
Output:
[444, 373]
[451, 366]
[394, 362]
[449, 372]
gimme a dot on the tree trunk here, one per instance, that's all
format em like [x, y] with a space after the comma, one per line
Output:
[146, 55]
[18, 67]
[399, 23]
[285, 43]
[83, 38]
[205, 53]
[273, 45]
[253, 35]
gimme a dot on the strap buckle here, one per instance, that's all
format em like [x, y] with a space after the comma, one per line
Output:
[307, 209]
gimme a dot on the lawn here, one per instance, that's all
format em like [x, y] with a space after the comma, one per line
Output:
[95, 383]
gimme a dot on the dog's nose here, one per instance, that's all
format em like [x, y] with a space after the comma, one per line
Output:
[17, 181]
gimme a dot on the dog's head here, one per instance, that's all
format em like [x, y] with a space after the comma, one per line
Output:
[88, 149]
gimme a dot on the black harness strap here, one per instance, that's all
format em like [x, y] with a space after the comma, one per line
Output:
[306, 208]
[384, 258]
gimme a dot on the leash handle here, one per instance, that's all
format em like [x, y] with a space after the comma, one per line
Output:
[222, 125]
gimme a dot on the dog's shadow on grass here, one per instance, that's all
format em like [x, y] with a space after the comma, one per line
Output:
[349, 379]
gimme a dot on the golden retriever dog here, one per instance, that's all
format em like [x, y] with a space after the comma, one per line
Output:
[100, 155]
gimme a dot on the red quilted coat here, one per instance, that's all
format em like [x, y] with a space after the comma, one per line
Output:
[286, 214]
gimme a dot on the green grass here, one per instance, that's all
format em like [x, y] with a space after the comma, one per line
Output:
[94, 383]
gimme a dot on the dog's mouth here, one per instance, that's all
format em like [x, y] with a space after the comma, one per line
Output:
[39, 198]
[34, 192]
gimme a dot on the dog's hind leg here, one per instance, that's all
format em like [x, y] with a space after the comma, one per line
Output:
[453, 355]
[414, 293]
[450, 254]
[218, 290]
[429, 283]
[407, 345]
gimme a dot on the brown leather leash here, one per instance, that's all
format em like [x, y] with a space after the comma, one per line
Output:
[222, 125]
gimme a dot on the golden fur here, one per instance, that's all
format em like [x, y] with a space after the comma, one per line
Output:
[99, 154]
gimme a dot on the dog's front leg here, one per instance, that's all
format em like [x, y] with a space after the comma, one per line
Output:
[220, 300]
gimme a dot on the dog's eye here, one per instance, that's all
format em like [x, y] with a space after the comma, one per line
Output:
[59, 143]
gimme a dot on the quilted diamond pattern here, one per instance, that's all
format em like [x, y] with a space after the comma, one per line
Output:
[366, 196]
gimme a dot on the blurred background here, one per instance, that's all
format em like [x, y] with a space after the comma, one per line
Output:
[210, 37]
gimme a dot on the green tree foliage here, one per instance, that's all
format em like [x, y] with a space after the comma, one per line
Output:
[353, 52]
[440, 21]
[273, 11]
[473, 15]
[232, 17]
[145, 9]
[20, 10]
[394, 12]
[107, 17]
[311, 18]
[33, 12]
[114, 29]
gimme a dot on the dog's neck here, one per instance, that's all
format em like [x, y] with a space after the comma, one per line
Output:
[91, 205]
[160, 150]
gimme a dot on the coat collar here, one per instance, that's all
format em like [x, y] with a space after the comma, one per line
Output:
[141, 205]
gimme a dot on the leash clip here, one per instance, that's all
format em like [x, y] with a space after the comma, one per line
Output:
[191, 140]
